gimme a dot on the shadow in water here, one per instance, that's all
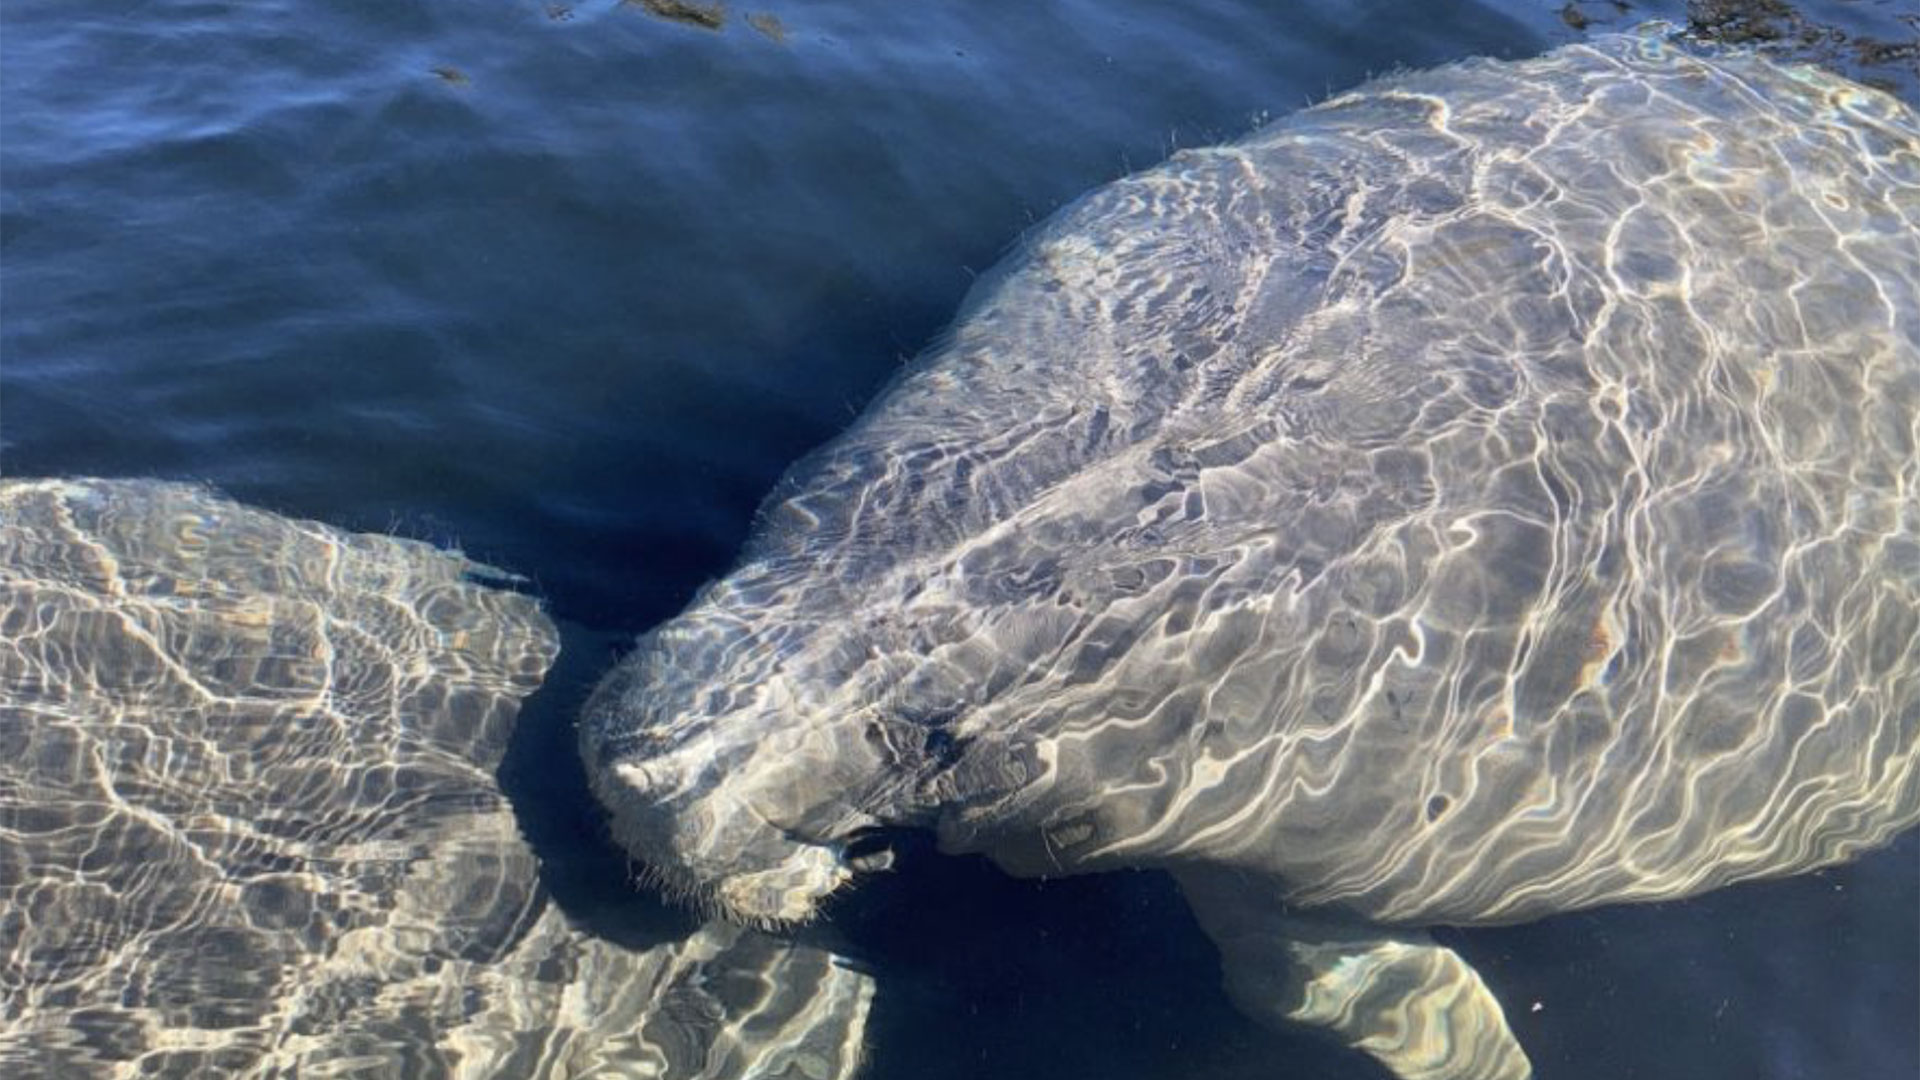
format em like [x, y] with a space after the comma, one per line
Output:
[586, 873]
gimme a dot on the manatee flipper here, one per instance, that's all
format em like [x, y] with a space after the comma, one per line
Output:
[1412, 1004]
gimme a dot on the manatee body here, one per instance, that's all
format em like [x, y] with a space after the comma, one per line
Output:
[1489, 493]
[249, 825]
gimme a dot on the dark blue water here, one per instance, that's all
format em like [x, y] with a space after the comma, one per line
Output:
[571, 286]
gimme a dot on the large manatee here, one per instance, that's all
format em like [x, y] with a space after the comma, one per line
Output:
[249, 825]
[1489, 493]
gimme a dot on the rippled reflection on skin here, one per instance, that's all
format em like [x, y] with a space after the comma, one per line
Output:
[1492, 492]
[249, 825]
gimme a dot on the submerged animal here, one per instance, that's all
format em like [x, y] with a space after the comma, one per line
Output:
[249, 825]
[1490, 493]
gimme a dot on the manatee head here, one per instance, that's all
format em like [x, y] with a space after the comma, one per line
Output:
[746, 749]
[924, 603]
[729, 766]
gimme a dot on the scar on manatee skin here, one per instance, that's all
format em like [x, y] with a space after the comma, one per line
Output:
[450, 75]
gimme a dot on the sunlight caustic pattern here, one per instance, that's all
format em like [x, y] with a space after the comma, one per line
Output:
[249, 825]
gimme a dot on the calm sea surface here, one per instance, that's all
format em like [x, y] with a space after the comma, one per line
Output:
[571, 284]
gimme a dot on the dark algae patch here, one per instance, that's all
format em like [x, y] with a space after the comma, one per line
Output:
[1781, 29]
[710, 16]
[1581, 14]
[770, 25]
[691, 12]
[1890, 52]
[1882, 51]
[1740, 22]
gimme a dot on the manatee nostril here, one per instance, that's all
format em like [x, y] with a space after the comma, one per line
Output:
[864, 842]
[867, 849]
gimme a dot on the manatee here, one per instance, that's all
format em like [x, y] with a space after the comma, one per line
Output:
[1490, 493]
[249, 825]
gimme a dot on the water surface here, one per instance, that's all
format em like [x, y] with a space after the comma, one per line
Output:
[572, 284]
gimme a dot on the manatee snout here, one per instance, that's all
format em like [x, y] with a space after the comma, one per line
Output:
[725, 772]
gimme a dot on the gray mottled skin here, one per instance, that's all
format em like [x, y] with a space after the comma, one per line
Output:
[1492, 492]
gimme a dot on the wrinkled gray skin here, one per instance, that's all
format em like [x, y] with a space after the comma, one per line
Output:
[1489, 493]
